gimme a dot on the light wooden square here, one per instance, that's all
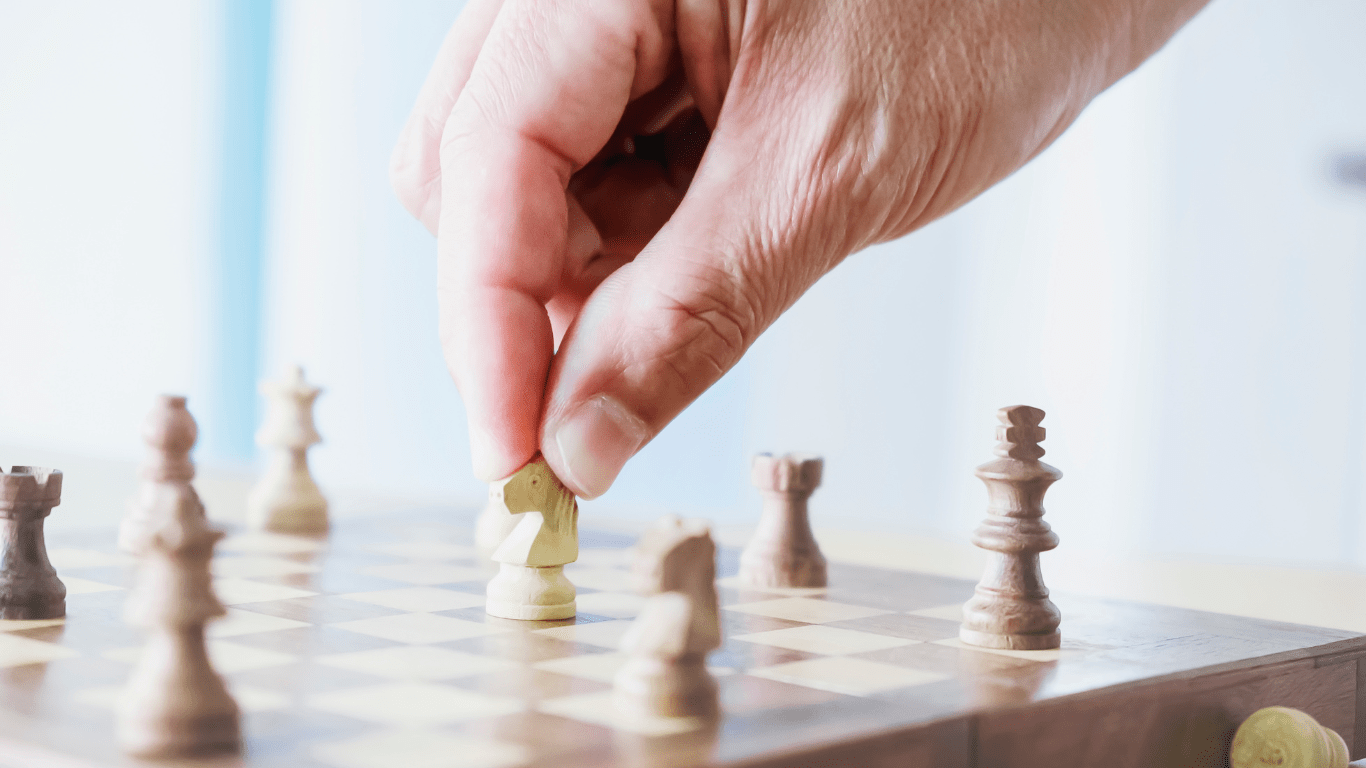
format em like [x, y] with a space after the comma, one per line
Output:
[605, 634]
[734, 582]
[419, 628]
[65, 557]
[420, 599]
[270, 544]
[592, 666]
[414, 704]
[419, 748]
[807, 610]
[617, 605]
[841, 674]
[425, 550]
[426, 573]
[600, 709]
[238, 622]
[75, 586]
[17, 651]
[417, 662]
[238, 591]
[828, 641]
[226, 657]
[248, 566]
[948, 612]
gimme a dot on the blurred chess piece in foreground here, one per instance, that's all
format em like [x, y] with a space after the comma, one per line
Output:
[1286, 738]
[174, 704]
[665, 674]
[287, 500]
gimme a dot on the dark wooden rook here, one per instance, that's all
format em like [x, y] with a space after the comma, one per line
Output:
[29, 587]
[783, 552]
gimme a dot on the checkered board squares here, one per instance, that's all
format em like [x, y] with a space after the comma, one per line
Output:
[370, 648]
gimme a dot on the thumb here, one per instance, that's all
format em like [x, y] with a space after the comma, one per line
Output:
[662, 329]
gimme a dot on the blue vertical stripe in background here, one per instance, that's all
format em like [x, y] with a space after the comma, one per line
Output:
[238, 274]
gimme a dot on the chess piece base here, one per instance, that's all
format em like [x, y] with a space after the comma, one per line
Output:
[181, 737]
[1016, 642]
[33, 609]
[530, 593]
[175, 704]
[287, 501]
[298, 519]
[672, 688]
[763, 568]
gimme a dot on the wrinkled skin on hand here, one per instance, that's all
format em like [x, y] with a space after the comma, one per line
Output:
[626, 193]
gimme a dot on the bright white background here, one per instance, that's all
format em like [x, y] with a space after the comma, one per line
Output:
[1178, 282]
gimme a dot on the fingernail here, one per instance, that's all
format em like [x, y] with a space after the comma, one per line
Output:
[483, 454]
[595, 443]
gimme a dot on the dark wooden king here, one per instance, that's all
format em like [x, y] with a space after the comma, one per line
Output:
[1011, 608]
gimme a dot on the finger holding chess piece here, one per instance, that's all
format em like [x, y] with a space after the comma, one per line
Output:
[666, 673]
[1286, 738]
[1010, 608]
[530, 584]
[287, 500]
[783, 552]
[29, 587]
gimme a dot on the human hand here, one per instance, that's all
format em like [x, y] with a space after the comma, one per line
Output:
[557, 151]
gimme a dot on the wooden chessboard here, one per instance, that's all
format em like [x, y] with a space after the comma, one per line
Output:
[371, 650]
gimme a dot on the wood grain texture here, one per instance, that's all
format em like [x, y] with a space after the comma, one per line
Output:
[1185, 721]
[1010, 607]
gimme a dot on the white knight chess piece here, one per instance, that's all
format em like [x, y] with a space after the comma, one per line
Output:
[530, 584]
[666, 674]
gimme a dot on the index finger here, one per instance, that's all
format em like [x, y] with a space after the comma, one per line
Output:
[544, 95]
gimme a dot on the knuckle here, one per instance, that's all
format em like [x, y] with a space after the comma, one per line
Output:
[708, 322]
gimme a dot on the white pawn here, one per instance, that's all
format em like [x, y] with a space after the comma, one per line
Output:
[666, 673]
[530, 584]
[286, 499]
[174, 705]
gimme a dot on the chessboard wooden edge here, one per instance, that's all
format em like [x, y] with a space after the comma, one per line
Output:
[1182, 719]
